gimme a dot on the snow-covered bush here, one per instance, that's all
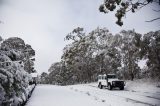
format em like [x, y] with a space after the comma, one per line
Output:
[14, 80]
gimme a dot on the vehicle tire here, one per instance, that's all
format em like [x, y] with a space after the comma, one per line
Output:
[109, 87]
[101, 87]
[19, 104]
[98, 85]
[122, 88]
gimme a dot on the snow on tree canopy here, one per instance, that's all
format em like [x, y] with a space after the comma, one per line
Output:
[14, 43]
[14, 80]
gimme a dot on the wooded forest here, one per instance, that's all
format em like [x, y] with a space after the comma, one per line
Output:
[101, 52]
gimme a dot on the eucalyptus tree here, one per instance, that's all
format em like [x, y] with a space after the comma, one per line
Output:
[123, 7]
[130, 49]
[150, 50]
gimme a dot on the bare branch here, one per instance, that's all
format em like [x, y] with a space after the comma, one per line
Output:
[153, 19]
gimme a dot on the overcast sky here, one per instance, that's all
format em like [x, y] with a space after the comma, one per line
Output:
[44, 23]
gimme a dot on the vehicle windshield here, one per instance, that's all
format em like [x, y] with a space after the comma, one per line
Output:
[111, 76]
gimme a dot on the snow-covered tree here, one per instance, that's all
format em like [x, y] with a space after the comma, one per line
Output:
[17, 50]
[150, 50]
[130, 53]
[100, 52]
[14, 79]
[87, 56]
[44, 78]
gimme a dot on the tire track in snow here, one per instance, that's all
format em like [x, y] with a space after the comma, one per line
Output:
[126, 98]
[135, 93]
[148, 94]
[88, 94]
[135, 101]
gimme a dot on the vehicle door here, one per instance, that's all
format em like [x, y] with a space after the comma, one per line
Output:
[104, 81]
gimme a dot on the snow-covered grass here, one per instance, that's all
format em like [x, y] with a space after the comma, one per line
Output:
[143, 85]
[136, 93]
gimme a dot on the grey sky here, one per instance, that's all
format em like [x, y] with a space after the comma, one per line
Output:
[44, 23]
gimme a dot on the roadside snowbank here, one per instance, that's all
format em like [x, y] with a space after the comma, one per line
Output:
[136, 93]
[143, 85]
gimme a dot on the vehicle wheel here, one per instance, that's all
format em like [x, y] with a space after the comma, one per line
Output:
[19, 104]
[109, 87]
[101, 87]
[122, 88]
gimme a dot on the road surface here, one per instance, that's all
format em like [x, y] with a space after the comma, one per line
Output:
[90, 95]
[49, 95]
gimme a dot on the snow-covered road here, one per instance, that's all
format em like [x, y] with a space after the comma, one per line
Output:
[90, 95]
[50, 95]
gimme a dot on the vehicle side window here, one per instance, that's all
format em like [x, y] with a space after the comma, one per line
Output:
[99, 77]
[104, 77]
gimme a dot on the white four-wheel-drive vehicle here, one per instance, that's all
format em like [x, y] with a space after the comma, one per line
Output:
[110, 81]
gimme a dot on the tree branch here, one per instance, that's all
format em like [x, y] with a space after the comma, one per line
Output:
[153, 19]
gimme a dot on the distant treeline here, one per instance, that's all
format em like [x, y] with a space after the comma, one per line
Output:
[101, 52]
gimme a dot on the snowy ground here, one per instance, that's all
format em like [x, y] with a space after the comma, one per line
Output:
[49, 95]
[135, 94]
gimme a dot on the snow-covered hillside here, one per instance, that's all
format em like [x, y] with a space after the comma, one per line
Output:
[91, 95]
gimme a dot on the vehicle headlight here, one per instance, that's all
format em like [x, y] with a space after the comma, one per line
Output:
[113, 82]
